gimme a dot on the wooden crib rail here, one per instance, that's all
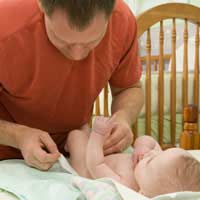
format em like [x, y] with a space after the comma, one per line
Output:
[190, 138]
[167, 11]
[145, 21]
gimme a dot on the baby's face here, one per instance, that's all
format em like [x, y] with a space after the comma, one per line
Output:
[156, 168]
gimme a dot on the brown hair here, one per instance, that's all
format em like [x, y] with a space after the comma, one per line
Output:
[190, 174]
[185, 176]
[79, 12]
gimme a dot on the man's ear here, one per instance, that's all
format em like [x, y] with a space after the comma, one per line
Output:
[40, 6]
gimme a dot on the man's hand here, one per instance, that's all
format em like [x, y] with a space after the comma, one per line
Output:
[37, 147]
[120, 138]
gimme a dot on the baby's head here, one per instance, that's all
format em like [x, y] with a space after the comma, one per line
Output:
[173, 170]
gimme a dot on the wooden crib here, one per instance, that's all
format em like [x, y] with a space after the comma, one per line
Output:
[154, 66]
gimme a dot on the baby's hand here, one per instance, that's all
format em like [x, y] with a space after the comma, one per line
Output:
[102, 125]
[139, 153]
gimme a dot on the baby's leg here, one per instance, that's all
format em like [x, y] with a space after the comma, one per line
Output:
[76, 144]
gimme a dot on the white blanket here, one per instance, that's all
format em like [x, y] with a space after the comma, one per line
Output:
[68, 185]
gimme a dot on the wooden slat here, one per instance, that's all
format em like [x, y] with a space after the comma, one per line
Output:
[167, 146]
[148, 84]
[135, 130]
[166, 11]
[185, 65]
[105, 112]
[97, 106]
[161, 85]
[155, 65]
[173, 86]
[196, 71]
[166, 57]
[145, 21]
[196, 68]
[90, 122]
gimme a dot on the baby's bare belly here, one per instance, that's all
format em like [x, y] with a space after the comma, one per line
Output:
[121, 164]
[118, 161]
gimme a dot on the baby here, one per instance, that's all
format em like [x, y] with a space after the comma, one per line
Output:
[149, 170]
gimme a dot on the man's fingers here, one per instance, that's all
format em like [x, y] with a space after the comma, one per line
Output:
[116, 147]
[112, 120]
[34, 162]
[52, 157]
[43, 157]
[41, 166]
[114, 138]
[49, 143]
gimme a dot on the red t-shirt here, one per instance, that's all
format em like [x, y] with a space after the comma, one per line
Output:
[43, 89]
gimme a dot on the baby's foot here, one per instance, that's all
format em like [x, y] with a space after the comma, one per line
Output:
[102, 125]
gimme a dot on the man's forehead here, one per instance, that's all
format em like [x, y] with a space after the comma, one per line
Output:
[61, 27]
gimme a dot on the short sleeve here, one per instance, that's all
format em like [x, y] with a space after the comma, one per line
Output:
[129, 68]
[4, 62]
[1, 66]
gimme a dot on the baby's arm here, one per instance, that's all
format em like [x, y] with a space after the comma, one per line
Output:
[76, 145]
[95, 156]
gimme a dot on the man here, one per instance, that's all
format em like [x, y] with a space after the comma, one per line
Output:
[55, 57]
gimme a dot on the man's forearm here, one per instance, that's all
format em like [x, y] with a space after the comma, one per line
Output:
[8, 132]
[128, 103]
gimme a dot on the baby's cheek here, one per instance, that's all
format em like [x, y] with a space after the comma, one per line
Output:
[138, 172]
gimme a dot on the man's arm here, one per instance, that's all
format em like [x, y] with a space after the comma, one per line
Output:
[127, 102]
[37, 147]
[8, 133]
[126, 105]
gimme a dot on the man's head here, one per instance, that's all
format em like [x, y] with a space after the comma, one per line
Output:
[75, 27]
[169, 171]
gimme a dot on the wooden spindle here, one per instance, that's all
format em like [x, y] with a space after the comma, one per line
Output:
[148, 84]
[190, 138]
[173, 86]
[156, 65]
[185, 65]
[161, 85]
[105, 110]
[135, 130]
[196, 68]
[91, 118]
[97, 107]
